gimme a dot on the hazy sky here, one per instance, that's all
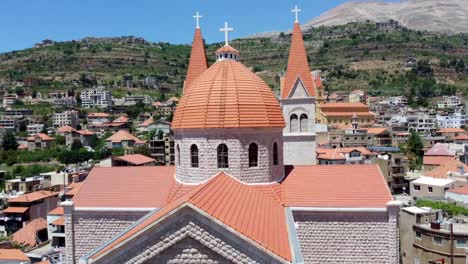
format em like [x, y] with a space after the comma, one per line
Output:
[25, 22]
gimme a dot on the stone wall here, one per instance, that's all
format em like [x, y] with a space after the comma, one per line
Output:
[237, 141]
[348, 237]
[91, 229]
[187, 237]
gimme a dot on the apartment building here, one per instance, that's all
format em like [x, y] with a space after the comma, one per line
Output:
[96, 98]
[66, 118]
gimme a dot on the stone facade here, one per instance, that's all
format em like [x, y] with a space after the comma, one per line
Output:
[237, 141]
[299, 133]
[357, 237]
[92, 228]
[187, 237]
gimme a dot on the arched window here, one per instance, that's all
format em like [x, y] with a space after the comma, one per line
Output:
[294, 123]
[275, 154]
[194, 156]
[178, 155]
[223, 156]
[304, 123]
[253, 155]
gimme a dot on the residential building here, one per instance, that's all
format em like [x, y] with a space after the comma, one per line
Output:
[23, 185]
[52, 179]
[164, 109]
[34, 129]
[65, 102]
[451, 133]
[435, 188]
[32, 234]
[27, 207]
[56, 227]
[342, 114]
[133, 160]
[95, 98]
[9, 100]
[358, 96]
[152, 125]
[162, 150]
[127, 80]
[358, 155]
[449, 102]
[439, 154]
[66, 118]
[40, 141]
[455, 120]
[97, 118]
[394, 166]
[123, 139]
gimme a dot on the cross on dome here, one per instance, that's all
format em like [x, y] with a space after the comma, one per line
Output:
[226, 31]
[296, 10]
[197, 17]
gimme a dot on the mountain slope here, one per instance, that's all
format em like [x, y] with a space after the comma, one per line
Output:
[431, 15]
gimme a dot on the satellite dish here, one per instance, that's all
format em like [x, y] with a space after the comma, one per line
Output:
[379, 156]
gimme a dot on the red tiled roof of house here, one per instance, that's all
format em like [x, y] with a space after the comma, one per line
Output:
[75, 188]
[240, 206]
[145, 187]
[65, 129]
[361, 186]
[198, 62]
[377, 130]
[460, 190]
[147, 122]
[451, 130]
[298, 66]
[14, 209]
[31, 197]
[437, 160]
[228, 95]
[358, 107]
[98, 115]
[338, 153]
[446, 167]
[22, 146]
[42, 136]
[440, 149]
[59, 222]
[121, 119]
[123, 135]
[13, 254]
[56, 211]
[461, 137]
[348, 114]
[27, 235]
[136, 159]
[85, 132]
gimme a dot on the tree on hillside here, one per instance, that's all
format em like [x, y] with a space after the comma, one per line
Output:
[76, 145]
[414, 150]
[9, 141]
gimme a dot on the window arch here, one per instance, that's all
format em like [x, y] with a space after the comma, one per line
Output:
[253, 155]
[294, 123]
[194, 156]
[223, 156]
[304, 123]
[275, 153]
[178, 155]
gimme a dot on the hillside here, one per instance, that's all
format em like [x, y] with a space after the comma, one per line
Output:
[356, 55]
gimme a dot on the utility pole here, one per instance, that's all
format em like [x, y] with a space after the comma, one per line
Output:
[451, 243]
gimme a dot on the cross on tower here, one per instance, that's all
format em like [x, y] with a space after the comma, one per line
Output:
[296, 10]
[197, 18]
[226, 30]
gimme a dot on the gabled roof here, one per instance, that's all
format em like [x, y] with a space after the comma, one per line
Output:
[65, 129]
[437, 160]
[15, 210]
[460, 190]
[461, 137]
[22, 146]
[440, 149]
[147, 122]
[446, 167]
[237, 205]
[135, 159]
[123, 135]
[42, 136]
[377, 130]
[226, 48]
[198, 63]
[56, 211]
[13, 254]
[98, 115]
[361, 186]
[298, 66]
[338, 153]
[85, 132]
[121, 119]
[31, 197]
[451, 130]
[27, 235]
[228, 95]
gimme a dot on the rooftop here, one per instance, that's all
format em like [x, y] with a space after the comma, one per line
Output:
[135, 159]
[13, 254]
[433, 181]
[27, 235]
[31, 197]
[123, 135]
[447, 167]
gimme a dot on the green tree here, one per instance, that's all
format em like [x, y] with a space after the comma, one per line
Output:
[9, 141]
[414, 150]
[76, 145]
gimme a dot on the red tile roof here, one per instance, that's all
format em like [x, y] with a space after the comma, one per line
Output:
[442, 171]
[147, 122]
[339, 106]
[348, 114]
[460, 190]
[338, 153]
[377, 130]
[440, 149]
[237, 205]
[14, 209]
[59, 222]
[75, 188]
[437, 160]
[98, 115]
[121, 119]
[361, 186]
[227, 48]
[198, 63]
[27, 235]
[228, 95]
[13, 254]
[22, 146]
[42, 136]
[123, 135]
[451, 130]
[31, 197]
[56, 211]
[85, 132]
[298, 66]
[462, 137]
[135, 159]
[65, 129]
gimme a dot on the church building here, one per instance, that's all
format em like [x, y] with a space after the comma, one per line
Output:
[243, 189]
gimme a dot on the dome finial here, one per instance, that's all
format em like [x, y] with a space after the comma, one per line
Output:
[226, 30]
[296, 10]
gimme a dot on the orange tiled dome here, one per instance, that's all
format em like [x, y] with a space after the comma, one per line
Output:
[228, 95]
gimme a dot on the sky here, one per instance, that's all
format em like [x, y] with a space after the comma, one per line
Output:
[26, 22]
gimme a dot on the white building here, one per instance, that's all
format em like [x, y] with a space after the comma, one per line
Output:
[455, 120]
[9, 100]
[66, 118]
[96, 98]
[449, 102]
[34, 129]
